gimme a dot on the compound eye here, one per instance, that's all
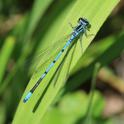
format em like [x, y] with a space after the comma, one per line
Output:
[80, 19]
[85, 20]
[88, 26]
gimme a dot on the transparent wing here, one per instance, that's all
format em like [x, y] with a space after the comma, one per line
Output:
[46, 54]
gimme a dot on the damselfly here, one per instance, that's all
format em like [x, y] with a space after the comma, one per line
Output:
[81, 28]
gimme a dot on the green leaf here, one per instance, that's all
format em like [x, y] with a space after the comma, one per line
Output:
[5, 55]
[2, 113]
[89, 113]
[38, 9]
[43, 97]
[103, 52]
[72, 108]
[24, 31]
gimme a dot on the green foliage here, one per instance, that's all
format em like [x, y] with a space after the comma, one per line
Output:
[89, 112]
[43, 25]
[52, 84]
[5, 55]
[109, 48]
[72, 109]
[2, 113]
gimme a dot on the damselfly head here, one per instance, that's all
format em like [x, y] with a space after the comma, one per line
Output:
[85, 22]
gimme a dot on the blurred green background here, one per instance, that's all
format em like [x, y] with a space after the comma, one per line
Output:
[22, 28]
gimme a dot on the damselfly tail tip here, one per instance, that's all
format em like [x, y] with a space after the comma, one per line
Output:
[27, 97]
